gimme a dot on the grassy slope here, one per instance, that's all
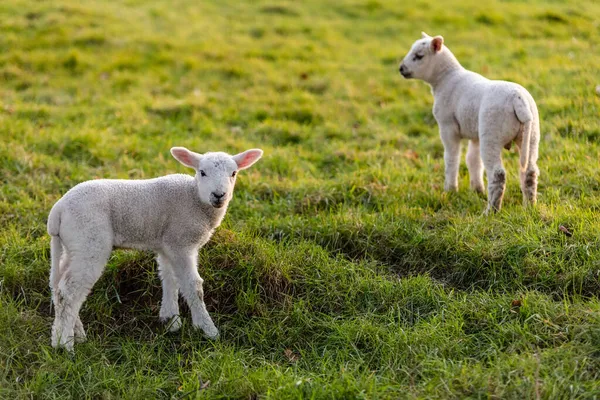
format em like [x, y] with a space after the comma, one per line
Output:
[342, 270]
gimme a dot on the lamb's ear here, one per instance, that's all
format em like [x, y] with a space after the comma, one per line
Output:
[186, 157]
[247, 158]
[424, 35]
[436, 43]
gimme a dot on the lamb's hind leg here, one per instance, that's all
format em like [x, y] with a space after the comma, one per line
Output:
[529, 177]
[169, 307]
[84, 269]
[184, 263]
[79, 331]
[492, 161]
[529, 182]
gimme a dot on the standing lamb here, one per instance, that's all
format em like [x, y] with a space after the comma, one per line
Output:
[174, 216]
[491, 114]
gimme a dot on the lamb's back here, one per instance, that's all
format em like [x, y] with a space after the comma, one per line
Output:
[136, 211]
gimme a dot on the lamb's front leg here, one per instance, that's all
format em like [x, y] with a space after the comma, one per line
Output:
[169, 306]
[184, 262]
[475, 166]
[451, 141]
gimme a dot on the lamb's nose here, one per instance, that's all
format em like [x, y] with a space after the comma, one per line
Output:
[218, 196]
[402, 69]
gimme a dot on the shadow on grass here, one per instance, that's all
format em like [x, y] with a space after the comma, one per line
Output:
[409, 249]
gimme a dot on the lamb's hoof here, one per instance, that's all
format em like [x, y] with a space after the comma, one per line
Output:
[54, 342]
[80, 339]
[80, 335]
[528, 203]
[59, 340]
[213, 335]
[477, 189]
[173, 323]
[210, 331]
[64, 344]
[490, 211]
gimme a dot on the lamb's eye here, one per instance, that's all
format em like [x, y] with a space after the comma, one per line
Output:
[233, 175]
[417, 57]
[202, 173]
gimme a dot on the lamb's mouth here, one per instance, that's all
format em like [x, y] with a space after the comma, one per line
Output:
[217, 204]
[406, 75]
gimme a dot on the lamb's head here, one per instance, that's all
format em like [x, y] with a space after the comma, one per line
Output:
[216, 172]
[423, 57]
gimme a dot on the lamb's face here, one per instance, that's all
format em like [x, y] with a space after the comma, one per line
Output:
[216, 175]
[420, 61]
[216, 172]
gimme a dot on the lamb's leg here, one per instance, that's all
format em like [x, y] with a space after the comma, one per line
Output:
[475, 166]
[529, 177]
[529, 184]
[79, 331]
[492, 161]
[184, 264]
[169, 307]
[451, 142]
[84, 269]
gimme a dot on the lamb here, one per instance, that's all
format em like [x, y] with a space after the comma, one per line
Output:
[490, 114]
[174, 216]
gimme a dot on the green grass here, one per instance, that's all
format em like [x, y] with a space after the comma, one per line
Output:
[342, 270]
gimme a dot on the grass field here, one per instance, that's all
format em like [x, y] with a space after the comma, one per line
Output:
[342, 269]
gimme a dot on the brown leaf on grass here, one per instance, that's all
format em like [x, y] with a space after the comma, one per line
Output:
[515, 305]
[290, 355]
[304, 76]
[411, 154]
[564, 230]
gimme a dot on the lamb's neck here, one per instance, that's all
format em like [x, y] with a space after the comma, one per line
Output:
[214, 216]
[447, 66]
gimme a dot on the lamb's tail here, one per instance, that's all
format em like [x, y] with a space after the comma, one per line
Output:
[525, 116]
[56, 248]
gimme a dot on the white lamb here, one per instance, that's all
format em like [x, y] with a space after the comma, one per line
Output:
[491, 114]
[174, 216]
